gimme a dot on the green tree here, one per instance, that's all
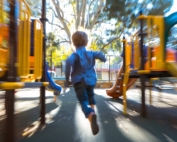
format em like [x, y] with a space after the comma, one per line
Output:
[54, 56]
[55, 53]
[105, 22]
[126, 11]
[52, 40]
[74, 15]
[35, 6]
[123, 17]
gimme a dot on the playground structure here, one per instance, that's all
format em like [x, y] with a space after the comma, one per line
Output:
[20, 66]
[22, 57]
[158, 61]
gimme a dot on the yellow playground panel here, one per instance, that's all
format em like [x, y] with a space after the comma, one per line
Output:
[24, 39]
[21, 58]
[3, 48]
[157, 59]
[157, 54]
[25, 63]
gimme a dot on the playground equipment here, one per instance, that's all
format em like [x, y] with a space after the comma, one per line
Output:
[116, 90]
[52, 85]
[22, 56]
[23, 48]
[29, 56]
[159, 61]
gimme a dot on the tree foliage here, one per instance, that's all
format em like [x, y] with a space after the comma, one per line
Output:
[55, 53]
[54, 56]
[105, 21]
[35, 6]
[52, 40]
[74, 15]
[124, 13]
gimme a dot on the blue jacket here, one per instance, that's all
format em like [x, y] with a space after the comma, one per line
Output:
[80, 65]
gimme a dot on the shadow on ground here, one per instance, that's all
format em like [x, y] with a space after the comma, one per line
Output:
[68, 124]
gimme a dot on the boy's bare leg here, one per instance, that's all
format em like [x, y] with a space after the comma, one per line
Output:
[90, 117]
[55, 98]
[92, 106]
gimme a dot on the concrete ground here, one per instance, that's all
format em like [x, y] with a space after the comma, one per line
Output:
[65, 121]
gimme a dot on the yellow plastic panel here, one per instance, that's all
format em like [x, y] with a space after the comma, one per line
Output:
[4, 35]
[4, 11]
[158, 24]
[137, 53]
[1, 11]
[144, 71]
[4, 31]
[172, 68]
[38, 38]
[3, 61]
[24, 40]
[128, 56]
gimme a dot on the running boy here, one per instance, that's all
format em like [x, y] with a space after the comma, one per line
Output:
[83, 76]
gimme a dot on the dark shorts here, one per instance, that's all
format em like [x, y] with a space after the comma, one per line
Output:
[85, 95]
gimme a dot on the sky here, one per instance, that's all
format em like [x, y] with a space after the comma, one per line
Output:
[173, 8]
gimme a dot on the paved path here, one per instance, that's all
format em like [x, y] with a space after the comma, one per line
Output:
[66, 122]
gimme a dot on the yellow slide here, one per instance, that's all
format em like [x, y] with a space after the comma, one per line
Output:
[172, 68]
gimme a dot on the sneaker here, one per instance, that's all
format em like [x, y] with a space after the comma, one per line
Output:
[94, 125]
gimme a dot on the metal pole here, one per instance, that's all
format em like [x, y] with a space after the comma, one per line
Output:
[42, 89]
[109, 68]
[12, 74]
[61, 68]
[124, 55]
[142, 77]
[51, 64]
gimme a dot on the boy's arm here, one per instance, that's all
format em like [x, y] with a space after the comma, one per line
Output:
[67, 70]
[101, 56]
[69, 64]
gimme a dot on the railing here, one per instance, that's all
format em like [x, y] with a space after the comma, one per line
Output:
[105, 67]
[103, 70]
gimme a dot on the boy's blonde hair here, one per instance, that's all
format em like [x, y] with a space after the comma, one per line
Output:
[79, 38]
